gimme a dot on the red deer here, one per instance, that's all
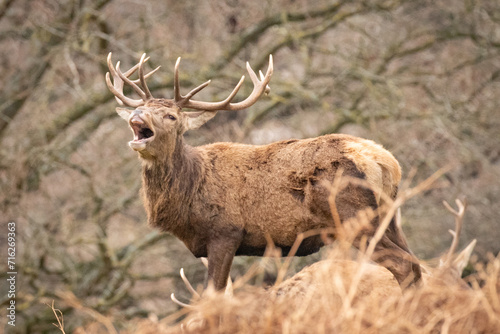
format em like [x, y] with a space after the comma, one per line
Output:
[225, 199]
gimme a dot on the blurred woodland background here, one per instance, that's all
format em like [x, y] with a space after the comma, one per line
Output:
[420, 77]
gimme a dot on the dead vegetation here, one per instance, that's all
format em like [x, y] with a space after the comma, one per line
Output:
[327, 308]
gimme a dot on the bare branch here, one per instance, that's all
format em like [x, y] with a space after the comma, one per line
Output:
[59, 316]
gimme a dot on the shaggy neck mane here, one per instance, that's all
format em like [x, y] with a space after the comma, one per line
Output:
[169, 186]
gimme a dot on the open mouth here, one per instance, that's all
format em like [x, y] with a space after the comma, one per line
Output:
[141, 131]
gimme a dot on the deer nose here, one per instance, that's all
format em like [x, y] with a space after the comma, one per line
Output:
[136, 119]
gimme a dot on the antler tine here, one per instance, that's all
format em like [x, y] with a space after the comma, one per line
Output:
[188, 284]
[262, 77]
[120, 78]
[177, 92]
[189, 287]
[120, 98]
[178, 302]
[142, 79]
[260, 86]
[459, 215]
[117, 87]
[213, 105]
[146, 75]
[134, 68]
[178, 98]
[228, 292]
[137, 89]
[117, 83]
[196, 90]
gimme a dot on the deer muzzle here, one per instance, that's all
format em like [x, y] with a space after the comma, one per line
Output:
[142, 132]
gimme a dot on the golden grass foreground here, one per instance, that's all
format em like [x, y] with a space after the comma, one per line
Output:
[327, 308]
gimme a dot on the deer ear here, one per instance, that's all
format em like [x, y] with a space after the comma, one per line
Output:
[463, 258]
[197, 119]
[124, 113]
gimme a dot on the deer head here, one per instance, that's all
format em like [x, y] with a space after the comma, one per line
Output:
[157, 123]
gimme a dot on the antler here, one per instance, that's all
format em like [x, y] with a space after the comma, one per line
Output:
[228, 292]
[120, 78]
[459, 216]
[189, 287]
[260, 86]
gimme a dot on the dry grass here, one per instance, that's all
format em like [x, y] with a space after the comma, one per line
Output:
[327, 308]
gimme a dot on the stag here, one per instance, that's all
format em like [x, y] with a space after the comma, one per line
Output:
[227, 199]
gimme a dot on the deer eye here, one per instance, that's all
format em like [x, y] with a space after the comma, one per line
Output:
[170, 117]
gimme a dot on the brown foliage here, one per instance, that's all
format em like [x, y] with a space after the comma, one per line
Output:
[326, 307]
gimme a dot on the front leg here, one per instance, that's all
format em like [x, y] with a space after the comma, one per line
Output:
[221, 252]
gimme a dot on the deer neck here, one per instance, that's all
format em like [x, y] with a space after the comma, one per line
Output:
[169, 185]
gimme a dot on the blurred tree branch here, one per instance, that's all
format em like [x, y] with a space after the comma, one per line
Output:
[253, 33]
[52, 36]
[4, 6]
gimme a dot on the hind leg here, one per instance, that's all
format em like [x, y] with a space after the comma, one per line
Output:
[392, 250]
[393, 253]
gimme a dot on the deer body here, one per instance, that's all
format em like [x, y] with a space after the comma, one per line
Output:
[254, 191]
[225, 199]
